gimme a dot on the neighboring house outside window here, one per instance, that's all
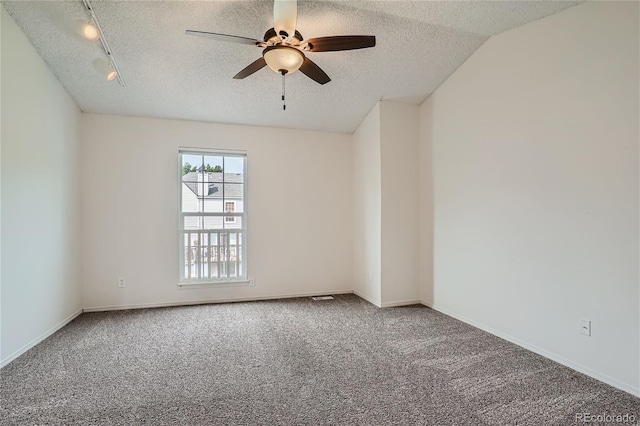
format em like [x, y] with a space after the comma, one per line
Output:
[212, 217]
[230, 207]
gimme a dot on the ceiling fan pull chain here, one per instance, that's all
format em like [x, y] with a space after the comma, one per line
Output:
[284, 105]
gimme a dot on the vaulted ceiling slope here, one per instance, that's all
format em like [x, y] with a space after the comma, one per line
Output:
[168, 74]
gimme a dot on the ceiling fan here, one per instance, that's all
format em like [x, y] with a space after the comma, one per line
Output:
[284, 46]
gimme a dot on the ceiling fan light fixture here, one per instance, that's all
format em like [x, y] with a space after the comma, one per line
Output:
[105, 69]
[283, 59]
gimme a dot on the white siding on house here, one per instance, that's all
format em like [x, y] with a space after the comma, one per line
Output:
[190, 201]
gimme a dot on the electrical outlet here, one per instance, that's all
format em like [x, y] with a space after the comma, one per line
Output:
[585, 326]
[121, 283]
[252, 282]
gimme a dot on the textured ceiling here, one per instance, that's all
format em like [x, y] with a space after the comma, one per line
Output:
[168, 74]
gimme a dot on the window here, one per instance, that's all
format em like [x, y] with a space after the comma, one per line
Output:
[230, 207]
[212, 217]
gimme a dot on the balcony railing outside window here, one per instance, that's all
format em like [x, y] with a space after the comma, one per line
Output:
[213, 254]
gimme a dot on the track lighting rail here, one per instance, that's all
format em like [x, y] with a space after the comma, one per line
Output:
[104, 42]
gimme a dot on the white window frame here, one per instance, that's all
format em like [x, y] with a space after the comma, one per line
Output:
[240, 278]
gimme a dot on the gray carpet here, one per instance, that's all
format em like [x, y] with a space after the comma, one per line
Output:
[292, 361]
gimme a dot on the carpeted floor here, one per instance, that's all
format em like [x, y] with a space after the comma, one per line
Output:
[292, 361]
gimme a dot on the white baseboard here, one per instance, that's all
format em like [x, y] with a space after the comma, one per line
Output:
[250, 299]
[388, 304]
[40, 338]
[367, 298]
[210, 301]
[533, 348]
[403, 303]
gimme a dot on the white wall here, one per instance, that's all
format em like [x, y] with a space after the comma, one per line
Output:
[535, 161]
[299, 210]
[425, 204]
[385, 178]
[399, 168]
[1, 191]
[40, 288]
[367, 210]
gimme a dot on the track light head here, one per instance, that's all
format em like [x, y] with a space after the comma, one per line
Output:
[105, 69]
[88, 30]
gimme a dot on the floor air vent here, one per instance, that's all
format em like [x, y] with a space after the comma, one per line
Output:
[322, 297]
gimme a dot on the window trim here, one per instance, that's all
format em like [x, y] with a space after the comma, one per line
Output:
[232, 281]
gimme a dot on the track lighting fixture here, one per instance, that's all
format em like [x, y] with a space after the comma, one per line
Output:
[105, 69]
[92, 31]
[88, 30]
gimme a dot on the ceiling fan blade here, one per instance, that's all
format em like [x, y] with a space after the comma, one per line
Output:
[314, 72]
[223, 37]
[253, 67]
[285, 15]
[336, 43]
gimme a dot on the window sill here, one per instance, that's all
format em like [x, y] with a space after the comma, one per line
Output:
[239, 283]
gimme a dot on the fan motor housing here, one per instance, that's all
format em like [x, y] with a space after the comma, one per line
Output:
[272, 36]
